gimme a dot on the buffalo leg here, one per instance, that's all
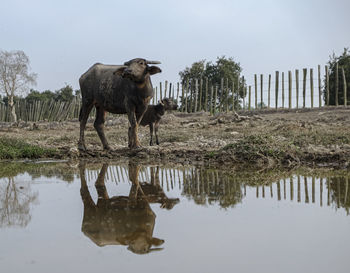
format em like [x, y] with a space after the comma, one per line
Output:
[151, 133]
[100, 183]
[84, 190]
[156, 125]
[83, 117]
[132, 134]
[99, 126]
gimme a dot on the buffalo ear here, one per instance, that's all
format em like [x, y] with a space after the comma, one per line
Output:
[119, 71]
[154, 70]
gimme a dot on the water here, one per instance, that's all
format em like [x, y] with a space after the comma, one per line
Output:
[54, 219]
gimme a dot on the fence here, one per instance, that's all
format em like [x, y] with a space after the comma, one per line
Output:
[290, 90]
[49, 110]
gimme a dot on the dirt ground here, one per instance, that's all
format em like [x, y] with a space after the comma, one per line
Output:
[262, 138]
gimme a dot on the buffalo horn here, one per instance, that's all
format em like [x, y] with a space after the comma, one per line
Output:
[152, 62]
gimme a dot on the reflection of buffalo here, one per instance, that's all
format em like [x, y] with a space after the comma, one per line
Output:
[123, 220]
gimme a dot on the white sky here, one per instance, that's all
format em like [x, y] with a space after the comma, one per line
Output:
[64, 38]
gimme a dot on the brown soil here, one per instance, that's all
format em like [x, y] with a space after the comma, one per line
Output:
[262, 138]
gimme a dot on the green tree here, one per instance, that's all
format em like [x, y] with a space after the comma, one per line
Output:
[35, 95]
[78, 93]
[343, 62]
[65, 93]
[224, 69]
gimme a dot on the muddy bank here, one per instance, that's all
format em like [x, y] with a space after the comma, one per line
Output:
[266, 138]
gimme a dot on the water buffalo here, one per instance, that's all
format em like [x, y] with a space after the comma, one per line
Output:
[119, 89]
[123, 220]
[154, 114]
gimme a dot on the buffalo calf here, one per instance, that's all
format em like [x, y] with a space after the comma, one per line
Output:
[154, 114]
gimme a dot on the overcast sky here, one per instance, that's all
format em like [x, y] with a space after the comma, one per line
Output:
[64, 38]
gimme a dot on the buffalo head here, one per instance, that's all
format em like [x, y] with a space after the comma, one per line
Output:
[169, 104]
[138, 69]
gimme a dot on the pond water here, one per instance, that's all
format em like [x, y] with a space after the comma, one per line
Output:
[131, 218]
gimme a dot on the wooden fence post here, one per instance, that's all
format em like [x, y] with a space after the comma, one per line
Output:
[319, 86]
[46, 104]
[211, 99]
[344, 87]
[276, 88]
[336, 84]
[297, 87]
[183, 96]
[165, 88]
[256, 90]
[170, 86]
[221, 102]
[282, 89]
[249, 97]
[200, 94]
[191, 97]
[155, 97]
[289, 89]
[269, 92]
[261, 90]
[178, 91]
[226, 96]
[327, 85]
[206, 96]
[237, 93]
[196, 95]
[304, 85]
[2, 112]
[186, 95]
[215, 97]
[37, 110]
[160, 90]
[233, 97]
[312, 87]
[244, 91]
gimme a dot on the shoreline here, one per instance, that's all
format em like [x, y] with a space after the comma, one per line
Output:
[284, 138]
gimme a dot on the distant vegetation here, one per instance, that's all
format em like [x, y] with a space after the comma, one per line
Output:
[223, 74]
[343, 62]
[65, 94]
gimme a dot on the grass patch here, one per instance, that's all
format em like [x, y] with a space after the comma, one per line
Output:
[321, 138]
[211, 154]
[254, 147]
[15, 149]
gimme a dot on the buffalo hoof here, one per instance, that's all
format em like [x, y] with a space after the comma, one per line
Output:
[136, 147]
[82, 147]
[107, 149]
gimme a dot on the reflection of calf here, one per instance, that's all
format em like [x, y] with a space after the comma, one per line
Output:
[120, 220]
[155, 193]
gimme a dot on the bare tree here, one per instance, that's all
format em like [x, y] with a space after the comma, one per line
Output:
[14, 76]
